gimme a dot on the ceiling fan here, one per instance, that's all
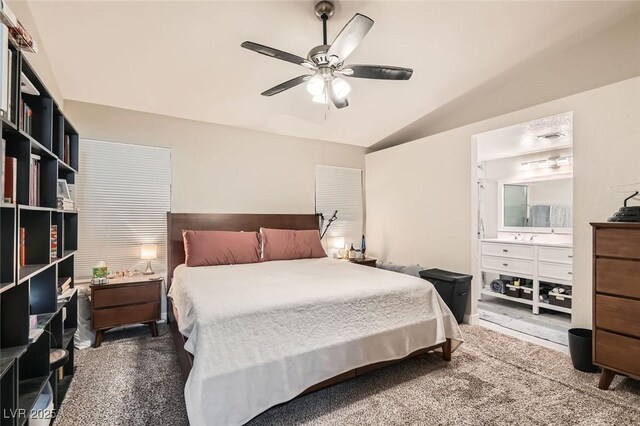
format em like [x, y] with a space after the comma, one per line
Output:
[327, 61]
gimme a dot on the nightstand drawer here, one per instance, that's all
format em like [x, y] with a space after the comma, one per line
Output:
[118, 296]
[112, 317]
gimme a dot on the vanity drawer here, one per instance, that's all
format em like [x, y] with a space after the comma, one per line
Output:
[555, 270]
[514, 251]
[555, 254]
[509, 266]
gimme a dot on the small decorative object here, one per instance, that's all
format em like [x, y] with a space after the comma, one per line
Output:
[363, 246]
[331, 220]
[65, 202]
[627, 213]
[100, 270]
[352, 252]
[148, 252]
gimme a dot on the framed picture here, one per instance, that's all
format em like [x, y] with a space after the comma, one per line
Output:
[63, 190]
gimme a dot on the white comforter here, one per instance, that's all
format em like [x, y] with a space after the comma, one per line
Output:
[263, 333]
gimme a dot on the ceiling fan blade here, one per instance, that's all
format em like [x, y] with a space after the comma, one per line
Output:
[350, 36]
[378, 72]
[339, 103]
[274, 53]
[286, 85]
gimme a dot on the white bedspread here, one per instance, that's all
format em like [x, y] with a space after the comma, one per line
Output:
[263, 333]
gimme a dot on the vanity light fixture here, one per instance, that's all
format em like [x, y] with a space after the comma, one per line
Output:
[551, 136]
[549, 163]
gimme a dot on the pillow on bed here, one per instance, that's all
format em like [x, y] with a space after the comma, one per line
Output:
[287, 244]
[210, 248]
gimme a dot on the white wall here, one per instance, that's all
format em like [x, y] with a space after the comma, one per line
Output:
[419, 195]
[218, 168]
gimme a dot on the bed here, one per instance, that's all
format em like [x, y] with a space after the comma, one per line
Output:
[255, 335]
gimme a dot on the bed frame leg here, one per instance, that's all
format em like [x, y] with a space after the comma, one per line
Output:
[446, 350]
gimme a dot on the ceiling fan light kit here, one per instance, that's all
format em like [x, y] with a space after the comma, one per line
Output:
[327, 61]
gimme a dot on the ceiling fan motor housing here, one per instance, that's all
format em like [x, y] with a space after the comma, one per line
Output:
[318, 55]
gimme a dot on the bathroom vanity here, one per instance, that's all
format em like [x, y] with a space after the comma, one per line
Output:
[544, 263]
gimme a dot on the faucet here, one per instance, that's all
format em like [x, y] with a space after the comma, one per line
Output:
[532, 237]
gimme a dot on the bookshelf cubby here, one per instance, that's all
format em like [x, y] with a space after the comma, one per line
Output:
[34, 317]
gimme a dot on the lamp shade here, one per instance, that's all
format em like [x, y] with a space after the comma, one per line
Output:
[148, 251]
[336, 243]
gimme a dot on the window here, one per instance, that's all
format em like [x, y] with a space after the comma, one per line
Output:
[123, 195]
[340, 188]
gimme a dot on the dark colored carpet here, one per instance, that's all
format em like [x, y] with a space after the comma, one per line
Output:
[493, 380]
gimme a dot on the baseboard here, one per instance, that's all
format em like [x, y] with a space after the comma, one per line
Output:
[472, 319]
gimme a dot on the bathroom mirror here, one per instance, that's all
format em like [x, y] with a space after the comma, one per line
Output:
[537, 206]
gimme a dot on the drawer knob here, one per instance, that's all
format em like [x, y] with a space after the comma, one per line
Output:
[570, 273]
[505, 250]
[505, 264]
[570, 256]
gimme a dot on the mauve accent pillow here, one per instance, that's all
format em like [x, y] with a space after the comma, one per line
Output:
[210, 248]
[287, 244]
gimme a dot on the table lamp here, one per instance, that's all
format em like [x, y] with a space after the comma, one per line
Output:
[148, 252]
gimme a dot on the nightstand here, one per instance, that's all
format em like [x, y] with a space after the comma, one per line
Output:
[367, 261]
[124, 301]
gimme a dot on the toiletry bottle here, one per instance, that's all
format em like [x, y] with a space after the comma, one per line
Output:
[352, 252]
[363, 247]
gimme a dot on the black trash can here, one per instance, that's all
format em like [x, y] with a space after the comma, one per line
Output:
[580, 340]
[454, 289]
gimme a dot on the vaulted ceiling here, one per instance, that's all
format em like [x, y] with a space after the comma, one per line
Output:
[183, 59]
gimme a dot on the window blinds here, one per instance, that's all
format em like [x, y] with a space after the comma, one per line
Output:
[340, 188]
[123, 195]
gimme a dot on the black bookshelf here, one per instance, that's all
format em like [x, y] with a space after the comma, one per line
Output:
[30, 271]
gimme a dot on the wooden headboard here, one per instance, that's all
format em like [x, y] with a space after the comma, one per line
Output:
[176, 222]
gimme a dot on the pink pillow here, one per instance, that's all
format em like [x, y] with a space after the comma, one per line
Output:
[210, 248]
[286, 244]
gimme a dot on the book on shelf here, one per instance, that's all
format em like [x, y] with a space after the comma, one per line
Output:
[3, 154]
[54, 242]
[26, 117]
[64, 287]
[34, 180]
[23, 246]
[4, 39]
[66, 153]
[10, 187]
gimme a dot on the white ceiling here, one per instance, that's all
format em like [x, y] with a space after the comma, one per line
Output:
[184, 59]
[525, 138]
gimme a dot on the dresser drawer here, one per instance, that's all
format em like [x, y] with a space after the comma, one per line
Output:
[514, 251]
[618, 314]
[555, 271]
[555, 254]
[618, 352]
[133, 314]
[117, 296]
[618, 243]
[618, 277]
[508, 266]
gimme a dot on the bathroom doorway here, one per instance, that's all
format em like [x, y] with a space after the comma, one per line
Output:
[524, 254]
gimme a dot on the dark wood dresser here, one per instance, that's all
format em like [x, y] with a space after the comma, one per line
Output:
[616, 300]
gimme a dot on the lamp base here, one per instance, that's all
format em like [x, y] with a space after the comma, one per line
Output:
[149, 270]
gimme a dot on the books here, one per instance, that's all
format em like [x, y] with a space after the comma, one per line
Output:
[64, 287]
[66, 157]
[26, 117]
[10, 187]
[23, 247]
[34, 180]
[54, 242]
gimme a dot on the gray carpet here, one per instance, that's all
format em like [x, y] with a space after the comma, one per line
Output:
[493, 380]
